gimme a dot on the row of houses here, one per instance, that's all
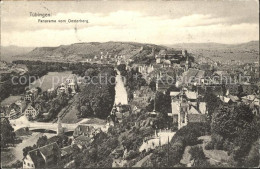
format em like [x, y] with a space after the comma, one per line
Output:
[50, 155]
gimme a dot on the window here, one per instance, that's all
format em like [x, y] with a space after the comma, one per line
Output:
[24, 162]
[32, 165]
[28, 164]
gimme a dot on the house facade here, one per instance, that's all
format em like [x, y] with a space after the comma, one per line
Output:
[186, 108]
[30, 95]
[31, 112]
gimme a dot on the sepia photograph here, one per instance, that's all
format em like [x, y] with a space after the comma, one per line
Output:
[129, 84]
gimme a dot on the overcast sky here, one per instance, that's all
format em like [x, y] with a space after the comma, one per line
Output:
[157, 22]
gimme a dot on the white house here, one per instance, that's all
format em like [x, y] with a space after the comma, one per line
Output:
[30, 111]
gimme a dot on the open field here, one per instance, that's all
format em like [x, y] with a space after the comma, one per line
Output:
[10, 100]
[52, 79]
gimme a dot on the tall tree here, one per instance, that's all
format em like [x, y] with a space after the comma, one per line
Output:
[7, 133]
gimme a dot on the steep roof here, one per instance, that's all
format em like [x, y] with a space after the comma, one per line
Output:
[174, 93]
[66, 150]
[36, 158]
[191, 95]
[193, 118]
[202, 107]
[49, 149]
[233, 98]
[193, 111]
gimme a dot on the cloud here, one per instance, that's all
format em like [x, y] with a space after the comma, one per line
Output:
[126, 25]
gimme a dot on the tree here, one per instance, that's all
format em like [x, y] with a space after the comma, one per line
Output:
[152, 85]
[27, 149]
[69, 90]
[237, 125]
[229, 122]
[198, 156]
[212, 102]
[197, 153]
[42, 141]
[252, 160]
[39, 89]
[7, 133]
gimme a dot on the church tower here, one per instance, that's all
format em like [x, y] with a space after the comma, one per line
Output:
[59, 128]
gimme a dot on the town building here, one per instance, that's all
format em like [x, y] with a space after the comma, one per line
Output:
[165, 80]
[186, 108]
[193, 77]
[44, 157]
[15, 110]
[31, 95]
[30, 112]
[84, 130]
[70, 86]
[143, 96]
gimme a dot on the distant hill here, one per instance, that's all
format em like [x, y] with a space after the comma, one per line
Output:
[7, 52]
[89, 50]
[244, 52]
[140, 52]
[252, 45]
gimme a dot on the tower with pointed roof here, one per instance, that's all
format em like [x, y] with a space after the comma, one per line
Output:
[59, 127]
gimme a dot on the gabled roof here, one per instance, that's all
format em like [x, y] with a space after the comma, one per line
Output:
[83, 138]
[36, 157]
[193, 111]
[193, 118]
[202, 107]
[66, 150]
[233, 98]
[174, 93]
[224, 99]
[249, 97]
[49, 149]
[191, 95]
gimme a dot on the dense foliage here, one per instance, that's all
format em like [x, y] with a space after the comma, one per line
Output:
[52, 105]
[128, 134]
[170, 156]
[37, 69]
[97, 96]
[235, 129]
[7, 133]
[198, 157]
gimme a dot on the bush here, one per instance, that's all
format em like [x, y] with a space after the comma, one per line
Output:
[226, 145]
[218, 141]
[209, 146]
[252, 160]
[197, 153]
[132, 154]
